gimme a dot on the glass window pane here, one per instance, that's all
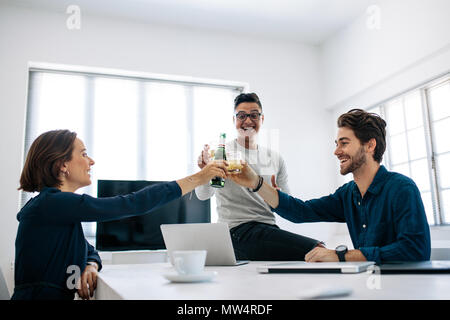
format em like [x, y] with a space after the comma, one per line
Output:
[394, 114]
[402, 168]
[398, 149]
[413, 110]
[440, 101]
[106, 114]
[217, 104]
[115, 121]
[417, 144]
[420, 175]
[60, 104]
[443, 172]
[445, 200]
[428, 205]
[376, 110]
[167, 132]
[442, 135]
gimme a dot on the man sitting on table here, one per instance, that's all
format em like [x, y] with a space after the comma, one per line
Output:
[253, 230]
[383, 210]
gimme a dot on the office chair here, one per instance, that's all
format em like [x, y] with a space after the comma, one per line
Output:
[4, 293]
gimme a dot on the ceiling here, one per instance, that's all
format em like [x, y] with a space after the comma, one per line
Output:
[306, 21]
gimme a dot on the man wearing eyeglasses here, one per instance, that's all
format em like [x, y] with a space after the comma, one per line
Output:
[252, 225]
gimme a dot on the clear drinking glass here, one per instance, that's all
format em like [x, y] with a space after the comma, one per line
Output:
[234, 161]
[212, 147]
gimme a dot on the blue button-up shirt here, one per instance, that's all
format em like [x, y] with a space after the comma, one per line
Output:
[387, 224]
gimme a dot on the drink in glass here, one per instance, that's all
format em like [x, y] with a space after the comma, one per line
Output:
[234, 161]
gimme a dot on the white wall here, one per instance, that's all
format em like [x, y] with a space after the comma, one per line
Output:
[284, 74]
[362, 66]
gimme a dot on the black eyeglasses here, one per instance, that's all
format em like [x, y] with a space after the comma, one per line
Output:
[242, 116]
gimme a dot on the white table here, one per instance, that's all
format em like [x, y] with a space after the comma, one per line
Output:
[146, 282]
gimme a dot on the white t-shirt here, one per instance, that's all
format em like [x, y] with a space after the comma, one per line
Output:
[236, 204]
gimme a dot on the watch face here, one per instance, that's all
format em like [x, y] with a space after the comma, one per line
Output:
[341, 248]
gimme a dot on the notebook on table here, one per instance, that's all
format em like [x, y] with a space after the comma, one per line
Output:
[316, 267]
[422, 267]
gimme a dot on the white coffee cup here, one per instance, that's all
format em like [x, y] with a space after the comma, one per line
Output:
[189, 262]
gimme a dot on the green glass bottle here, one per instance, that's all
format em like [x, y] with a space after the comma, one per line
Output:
[219, 182]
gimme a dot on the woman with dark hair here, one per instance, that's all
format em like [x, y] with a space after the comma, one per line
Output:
[50, 244]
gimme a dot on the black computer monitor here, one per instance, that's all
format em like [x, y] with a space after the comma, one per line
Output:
[143, 232]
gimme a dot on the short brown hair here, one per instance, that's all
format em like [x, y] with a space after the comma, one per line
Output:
[44, 159]
[366, 126]
[247, 97]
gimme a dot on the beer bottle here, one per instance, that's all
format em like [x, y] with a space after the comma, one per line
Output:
[219, 182]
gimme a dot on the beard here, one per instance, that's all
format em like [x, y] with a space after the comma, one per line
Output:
[356, 162]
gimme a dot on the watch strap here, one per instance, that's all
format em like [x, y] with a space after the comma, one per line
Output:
[341, 253]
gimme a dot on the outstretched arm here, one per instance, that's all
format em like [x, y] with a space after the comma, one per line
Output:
[211, 170]
[68, 207]
[328, 208]
[248, 178]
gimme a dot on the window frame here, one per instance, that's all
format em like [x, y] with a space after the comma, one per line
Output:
[142, 79]
[433, 170]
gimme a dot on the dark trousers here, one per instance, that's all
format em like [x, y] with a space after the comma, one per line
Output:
[262, 242]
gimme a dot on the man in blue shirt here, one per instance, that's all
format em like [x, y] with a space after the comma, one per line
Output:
[383, 210]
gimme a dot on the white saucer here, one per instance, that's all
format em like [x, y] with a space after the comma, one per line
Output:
[201, 277]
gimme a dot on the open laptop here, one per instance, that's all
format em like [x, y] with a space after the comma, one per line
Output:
[213, 237]
[422, 267]
[316, 267]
